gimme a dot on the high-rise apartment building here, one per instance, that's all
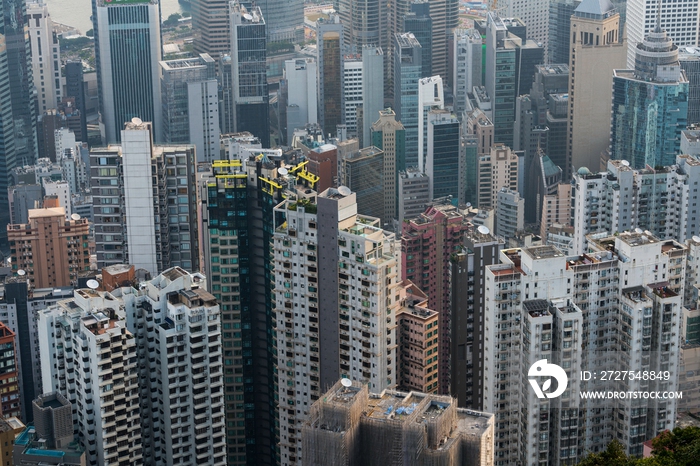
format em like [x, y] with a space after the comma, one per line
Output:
[497, 170]
[556, 302]
[9, 379]
[467, 365]
[510, 213]
[467, 66]
[302, 101]
[595, 44]
[330, 74]
[140, 219]
[94, 323]
[248, 68]
[365, 315]
[679, 19]
[50, 249]
[445, 163]
[655, 199]
[211, 24]
[127, 51]
[20, 77]
[650, 105]
[430, 429]
[352, 93]
[408, 70]
[190, 99]
[556, 209]
[46, 56]
[389, 136]
[427, 243]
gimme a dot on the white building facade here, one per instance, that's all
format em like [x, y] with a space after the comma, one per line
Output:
[46, 55]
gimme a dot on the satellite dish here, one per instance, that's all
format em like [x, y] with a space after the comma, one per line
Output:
[93, 284]
[283, 171]
[344, 191]
[21, 273]
[484, 230]
[696, 239]
[638, 230]
[75, 216]
[136, 121]
[347, 383]
[248, 17]
[625, 163]
[469, 204]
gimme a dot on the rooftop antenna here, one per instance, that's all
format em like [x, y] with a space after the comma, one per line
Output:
[657, 29]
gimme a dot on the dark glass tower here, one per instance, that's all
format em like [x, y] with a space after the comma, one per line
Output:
[15, 44]
[418, 22]
[249, 68]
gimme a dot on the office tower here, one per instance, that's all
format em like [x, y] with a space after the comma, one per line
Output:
[251, 108]
[22, 198]
[75, 88]
[413, 194]
[50, 441]
[302, 82]
[552, 314]
[330, 74]
[650, 105]
[597, 45]
[352, 92]
[370, 357]
[542, 177]
[211, 25]
[444, 15]
[427, 242]
[679, 19]
[49, 248]
[131, 194]
[651, 199]
[430, 97]
[399, 424]
[407, 69]
[9, 380]
[285, 20]
[467, 66]
[510, 213]
[372, 90]
[556, 211]
[689, 58]
[534, 13]
[560, 12]
[98, 322]
[363, 172]
[187, 425]
[389, 135]
[60, 192]
[445, 163]
[515, 59]
[8, 151]
[497, 170]
[46, 56]
[481, 127]
[22, 103]
[127, 51]
[416, 325]
[541, 116]
[418, 22]
[190, 99]
[365, 22]
[467, 364]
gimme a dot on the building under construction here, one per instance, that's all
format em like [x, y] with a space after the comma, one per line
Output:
[349, 426]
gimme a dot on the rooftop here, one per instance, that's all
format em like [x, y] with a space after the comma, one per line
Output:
[543, 252]
[638, 238]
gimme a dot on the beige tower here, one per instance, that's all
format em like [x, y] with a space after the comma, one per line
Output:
[596, 50]
[390, 136]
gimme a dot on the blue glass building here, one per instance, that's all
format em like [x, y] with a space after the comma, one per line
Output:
[650, 105]
[445, 163]
[408, 70]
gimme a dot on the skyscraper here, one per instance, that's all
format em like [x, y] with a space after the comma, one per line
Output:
[191, 105]
[596, 49]
[302, 82]
[679, 19]
[17, 50]
[330, 74]
[372, 90]
[444, 15]
[284, 19]
[211, 25]
[650, 105]
[363, 172]
[46, 56]
[467, 66]
[8, 150]
[248, 58]
[408, 57]
[689, 58]
[418, 22]
[127, 51]
[430, 97]
[389, 135]
[139, 218]
[444, 162]
[534, 13]
[75, 88]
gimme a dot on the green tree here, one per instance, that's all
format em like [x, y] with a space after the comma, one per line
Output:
[172, 20]
[614, 455]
